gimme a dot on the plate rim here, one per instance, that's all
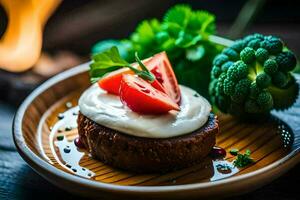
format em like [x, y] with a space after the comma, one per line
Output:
[38, 164]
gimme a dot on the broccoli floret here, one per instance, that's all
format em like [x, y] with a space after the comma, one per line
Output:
[270, 66]
[220, 60]
[273, 44]
[220, 85]
[237, 71]
[254, 44]
[238, 45]
[258, 36]
[248, 55]
[254, 36]
[252, 77]
[241, 90]
[261, 55]
[286, 61]
[263, 80]
[265, 100]
[231, 53]
[229, 86]
[226, 66]
[216, 71]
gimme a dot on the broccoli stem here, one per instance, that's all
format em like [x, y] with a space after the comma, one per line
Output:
[290, 93]
[220, 41]
[255, 70]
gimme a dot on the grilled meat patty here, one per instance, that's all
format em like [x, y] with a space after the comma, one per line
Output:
[141, 154]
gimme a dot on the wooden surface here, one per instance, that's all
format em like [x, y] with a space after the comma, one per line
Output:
[18, 181]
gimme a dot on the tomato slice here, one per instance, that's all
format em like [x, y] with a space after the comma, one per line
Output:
[111, 82]
[140, 96]
[159, 65]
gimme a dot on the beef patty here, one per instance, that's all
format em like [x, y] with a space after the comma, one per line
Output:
[141, 154]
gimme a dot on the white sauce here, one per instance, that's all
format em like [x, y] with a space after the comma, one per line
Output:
[107, 110]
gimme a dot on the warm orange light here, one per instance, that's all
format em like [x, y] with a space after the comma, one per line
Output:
[20, 46]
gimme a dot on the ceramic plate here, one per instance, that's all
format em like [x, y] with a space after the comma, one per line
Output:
[45, 129]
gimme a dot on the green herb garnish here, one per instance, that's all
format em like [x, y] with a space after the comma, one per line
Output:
[68, 128]
[60, 137]
[110, 60]
[187, 37]
[234, 152]
[243, 160]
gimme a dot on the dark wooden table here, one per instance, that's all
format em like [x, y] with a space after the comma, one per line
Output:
[19, 181]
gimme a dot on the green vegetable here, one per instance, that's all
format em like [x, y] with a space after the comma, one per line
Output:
[122, 46]
[60, 137]
[247, 55]
[242, 160]
[185, 35]
[256, 81]
[110, 60]
[234, 152]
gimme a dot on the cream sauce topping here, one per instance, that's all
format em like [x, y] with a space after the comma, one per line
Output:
[107, 110]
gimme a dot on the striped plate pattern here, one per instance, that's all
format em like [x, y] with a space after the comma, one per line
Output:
[264, 139]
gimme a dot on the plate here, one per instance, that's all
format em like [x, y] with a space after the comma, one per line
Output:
[45, 129]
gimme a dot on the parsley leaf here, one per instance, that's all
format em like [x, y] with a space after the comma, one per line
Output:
[234, 152]
[178, 15]
[110, 60]
[123, 47]
[109, 57]
[243, 160]
[202, 22]
[195, 53]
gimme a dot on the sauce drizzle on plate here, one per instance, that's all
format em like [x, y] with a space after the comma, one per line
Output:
[70, 152]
